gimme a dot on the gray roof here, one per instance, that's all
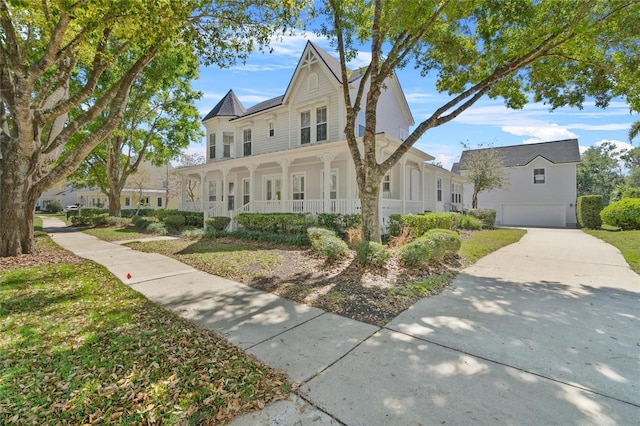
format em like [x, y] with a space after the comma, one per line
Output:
[333, 64]
[229, 106]
[270, 103]
[556, 152]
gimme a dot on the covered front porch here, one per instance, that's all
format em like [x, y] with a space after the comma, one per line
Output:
[313, 180]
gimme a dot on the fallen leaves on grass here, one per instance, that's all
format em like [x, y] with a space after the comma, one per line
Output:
[78, 347]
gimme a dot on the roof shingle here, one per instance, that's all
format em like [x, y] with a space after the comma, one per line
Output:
[229, 106]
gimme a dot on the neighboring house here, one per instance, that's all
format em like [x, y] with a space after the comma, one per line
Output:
[148, 188]
[62, 192]
[289, 154]
[542, 187]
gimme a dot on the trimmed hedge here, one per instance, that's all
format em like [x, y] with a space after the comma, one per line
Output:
[487, 216]
[417, 253]
[418, 224]
[339, 222]
[588, 210]
[92, 211]
[326, 243]
[624, 214]
[132, 212]
[218, 223]
[450, 240]
[175, 221]
[277, 223]
[372, 253]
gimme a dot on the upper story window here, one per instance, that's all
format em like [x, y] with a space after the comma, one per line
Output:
[538, 176]
[227, 143]
[305, 127]
[321, 124]
[404, 134]
[361, 124]
[272, 129]
[386, 183]
[212, 146]
[246, 139]
[439, 189]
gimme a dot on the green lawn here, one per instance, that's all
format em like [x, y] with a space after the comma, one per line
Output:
[78, 347]
[482, 243]
[116, 234]
[628, 242]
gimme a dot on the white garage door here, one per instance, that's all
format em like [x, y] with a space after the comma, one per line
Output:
[545, 215]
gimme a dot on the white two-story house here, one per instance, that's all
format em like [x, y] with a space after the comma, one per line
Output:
[289, 154]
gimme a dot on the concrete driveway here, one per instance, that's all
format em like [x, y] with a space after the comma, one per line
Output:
[545, 331]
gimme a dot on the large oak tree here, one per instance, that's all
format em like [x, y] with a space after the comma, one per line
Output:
[55, 55]
[560, 52]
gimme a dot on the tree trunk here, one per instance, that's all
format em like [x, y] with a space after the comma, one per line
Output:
[17, 205]
[369, 202]
[114, 203]
[474, 200]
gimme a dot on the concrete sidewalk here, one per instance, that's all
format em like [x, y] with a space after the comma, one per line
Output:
[545, 331]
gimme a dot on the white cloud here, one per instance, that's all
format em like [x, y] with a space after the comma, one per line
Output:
[608, 126]
[540, 133]
[362, 59]
[620, 145]
[419, 97]
[252, 99]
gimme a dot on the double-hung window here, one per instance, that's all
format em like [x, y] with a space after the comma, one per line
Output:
[272, 129]
[538, 176]
[227, 142]
[386, 183]
[305, 127]
[321, 124]
[246, 138]
[439, 189]
[298, 187]
[246, 191]
[212, 146]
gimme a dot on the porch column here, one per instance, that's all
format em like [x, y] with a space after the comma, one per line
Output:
[326, 159]
[252, 192]
[183, 188]
[225, 189]
[284, 193]
[403, 184]
[422, 194]
[203, 178]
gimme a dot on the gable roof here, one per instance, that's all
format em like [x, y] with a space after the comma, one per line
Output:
[556, 152]
[229, 106]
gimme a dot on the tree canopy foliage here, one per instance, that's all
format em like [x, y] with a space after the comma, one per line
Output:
[559, 52]
[66, 67]
[599, 172]
[484, 169]
[160, 120]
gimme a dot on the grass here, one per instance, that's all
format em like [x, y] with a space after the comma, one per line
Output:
[482, 243]
[116, 234]
[237, 261]
[77, 347]
[628, 242]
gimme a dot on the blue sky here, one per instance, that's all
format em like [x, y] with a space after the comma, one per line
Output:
[489, 122]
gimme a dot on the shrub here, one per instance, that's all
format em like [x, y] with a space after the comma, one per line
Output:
[470, 222]
[54, 206]
[340, 223]
[92, 211]
[195, 219]
[416, 253]
[162, 213]
[157, 228]
[395, 225]
[326, 243]
[175, 221]
[631, 192]
[99, 219]
[354, 235]
[450, 240]
[141, 223]
[280, 223]
[137, 212]
[624, 214]
[372, 253]
[487, 216]
[81, 220]
[588, 210]
[218, 223]
[418, 224]
[116, 221]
